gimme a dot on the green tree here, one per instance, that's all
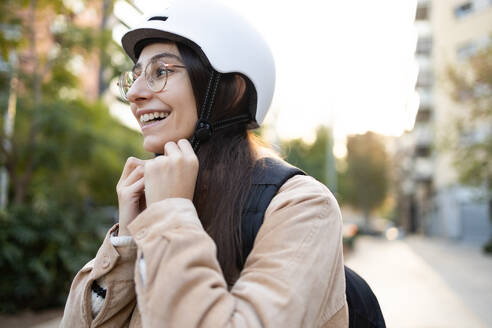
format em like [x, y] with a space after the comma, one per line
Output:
[44, 71]
[67, 151]
[471, 140]
[312, 158]
[45, 241]
[364, 184]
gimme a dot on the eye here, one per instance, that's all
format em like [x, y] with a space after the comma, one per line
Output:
[161, 71]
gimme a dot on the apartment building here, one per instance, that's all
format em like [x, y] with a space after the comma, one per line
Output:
[431, 199]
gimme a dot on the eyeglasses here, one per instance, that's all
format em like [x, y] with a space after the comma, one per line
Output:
[156, 74]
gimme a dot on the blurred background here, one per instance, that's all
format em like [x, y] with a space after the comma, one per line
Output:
[389, 103]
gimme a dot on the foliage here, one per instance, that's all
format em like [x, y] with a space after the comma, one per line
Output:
[471, 147]
[67, 151]
[365, 182]
[77, 162]
[9, 33]
[363, 177]
[472, 88]
[42, 247]
[53, 40]
[487, 248]
[80, 153]
[311, 158]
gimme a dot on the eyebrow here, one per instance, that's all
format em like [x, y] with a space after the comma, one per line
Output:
[161, 55]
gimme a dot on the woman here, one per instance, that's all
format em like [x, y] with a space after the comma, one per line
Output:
[202, 77]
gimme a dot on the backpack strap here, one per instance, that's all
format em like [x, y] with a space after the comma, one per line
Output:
[269, 175]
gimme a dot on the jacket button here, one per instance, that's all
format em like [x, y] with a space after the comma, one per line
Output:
[141, 234]
[106, 262]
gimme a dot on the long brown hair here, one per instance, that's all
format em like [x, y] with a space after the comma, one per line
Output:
[226, 163]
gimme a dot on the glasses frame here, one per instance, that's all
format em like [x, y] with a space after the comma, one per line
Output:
[123, 75]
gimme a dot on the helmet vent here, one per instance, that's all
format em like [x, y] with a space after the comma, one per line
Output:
[161, 18]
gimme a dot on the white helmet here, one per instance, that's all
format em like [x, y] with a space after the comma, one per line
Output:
[229, 42]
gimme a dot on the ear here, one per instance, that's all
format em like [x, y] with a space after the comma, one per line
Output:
[240, 88]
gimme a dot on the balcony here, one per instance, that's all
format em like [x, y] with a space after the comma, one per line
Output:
[424, 46]
[423, 170]
[425, 78]
[423, 135]
[423, 12]
[424, 62]
[423, 28]
[426, 99]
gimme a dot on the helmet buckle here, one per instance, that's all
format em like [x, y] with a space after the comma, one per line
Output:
[203, 130]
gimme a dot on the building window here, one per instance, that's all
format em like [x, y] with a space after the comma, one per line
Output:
[463, 9]
[481, 4]
[424, 46]
[422, 12]
[423, 151]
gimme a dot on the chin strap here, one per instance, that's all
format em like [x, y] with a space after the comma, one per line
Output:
[204, 129]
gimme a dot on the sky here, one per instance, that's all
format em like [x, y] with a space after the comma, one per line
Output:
[347, 64]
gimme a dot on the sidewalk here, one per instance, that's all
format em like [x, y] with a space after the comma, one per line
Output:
[465, 269]
[55, 323]
[27, 319]
[422, 282]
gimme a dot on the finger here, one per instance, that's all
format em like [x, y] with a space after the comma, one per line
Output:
[171, 149]
[185, 147]
[130, 165]
[139, 185]
[136, 174]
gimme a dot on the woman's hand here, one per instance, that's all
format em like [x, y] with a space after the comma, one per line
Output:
[172, 175]
[131, 196]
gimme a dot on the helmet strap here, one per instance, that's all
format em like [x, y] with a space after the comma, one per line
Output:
[203, 129]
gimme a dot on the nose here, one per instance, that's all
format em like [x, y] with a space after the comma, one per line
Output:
[139, 91]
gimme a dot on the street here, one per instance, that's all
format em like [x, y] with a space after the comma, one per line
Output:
[424, 282]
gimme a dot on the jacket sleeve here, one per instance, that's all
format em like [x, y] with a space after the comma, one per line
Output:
[292, 278]
[112, 267]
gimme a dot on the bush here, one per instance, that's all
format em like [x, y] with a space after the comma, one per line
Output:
[487, 248]
[41, 249]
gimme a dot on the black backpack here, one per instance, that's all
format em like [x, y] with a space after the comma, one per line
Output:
[269, 175]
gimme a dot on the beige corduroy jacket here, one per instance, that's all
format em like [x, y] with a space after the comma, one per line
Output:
[293, 277]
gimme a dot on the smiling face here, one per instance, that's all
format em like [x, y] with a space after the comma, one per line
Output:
[169, 114]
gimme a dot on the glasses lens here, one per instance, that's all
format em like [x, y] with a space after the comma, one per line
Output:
[126, 82]
[156, 75]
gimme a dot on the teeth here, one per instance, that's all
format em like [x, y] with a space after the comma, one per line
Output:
[148, 117]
